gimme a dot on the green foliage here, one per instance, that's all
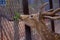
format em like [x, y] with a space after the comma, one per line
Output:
[17, 16]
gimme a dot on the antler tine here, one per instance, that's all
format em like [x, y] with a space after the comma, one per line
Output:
[48, 13]
[41, 9]
[42, 6]
[52, 18]
[56, 11]
[50, 10]
[55, 15]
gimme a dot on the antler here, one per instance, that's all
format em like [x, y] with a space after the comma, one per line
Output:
[42, 6]
[41, 9]
[56, 11]
[44, 13]
[56, 16]
[48, 13]
[51, 12]
[52, 18]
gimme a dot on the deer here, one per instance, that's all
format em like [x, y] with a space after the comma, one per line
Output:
[37, 21]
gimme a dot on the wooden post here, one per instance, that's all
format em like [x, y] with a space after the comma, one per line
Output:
[25, 7]
[26, 11]
[52, 21]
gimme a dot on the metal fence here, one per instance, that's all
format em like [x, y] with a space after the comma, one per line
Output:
[8, 30]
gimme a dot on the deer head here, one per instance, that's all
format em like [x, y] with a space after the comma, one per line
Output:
[29, 19]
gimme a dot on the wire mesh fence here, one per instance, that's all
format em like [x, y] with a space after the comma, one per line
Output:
[8, 30]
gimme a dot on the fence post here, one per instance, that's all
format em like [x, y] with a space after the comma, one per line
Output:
[52, 21]
[26, 11]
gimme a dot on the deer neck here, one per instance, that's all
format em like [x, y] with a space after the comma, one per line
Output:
[43, 31]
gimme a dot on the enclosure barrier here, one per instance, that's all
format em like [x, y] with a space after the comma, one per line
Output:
[7, 32]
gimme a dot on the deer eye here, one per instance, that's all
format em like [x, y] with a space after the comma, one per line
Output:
[31, 16]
